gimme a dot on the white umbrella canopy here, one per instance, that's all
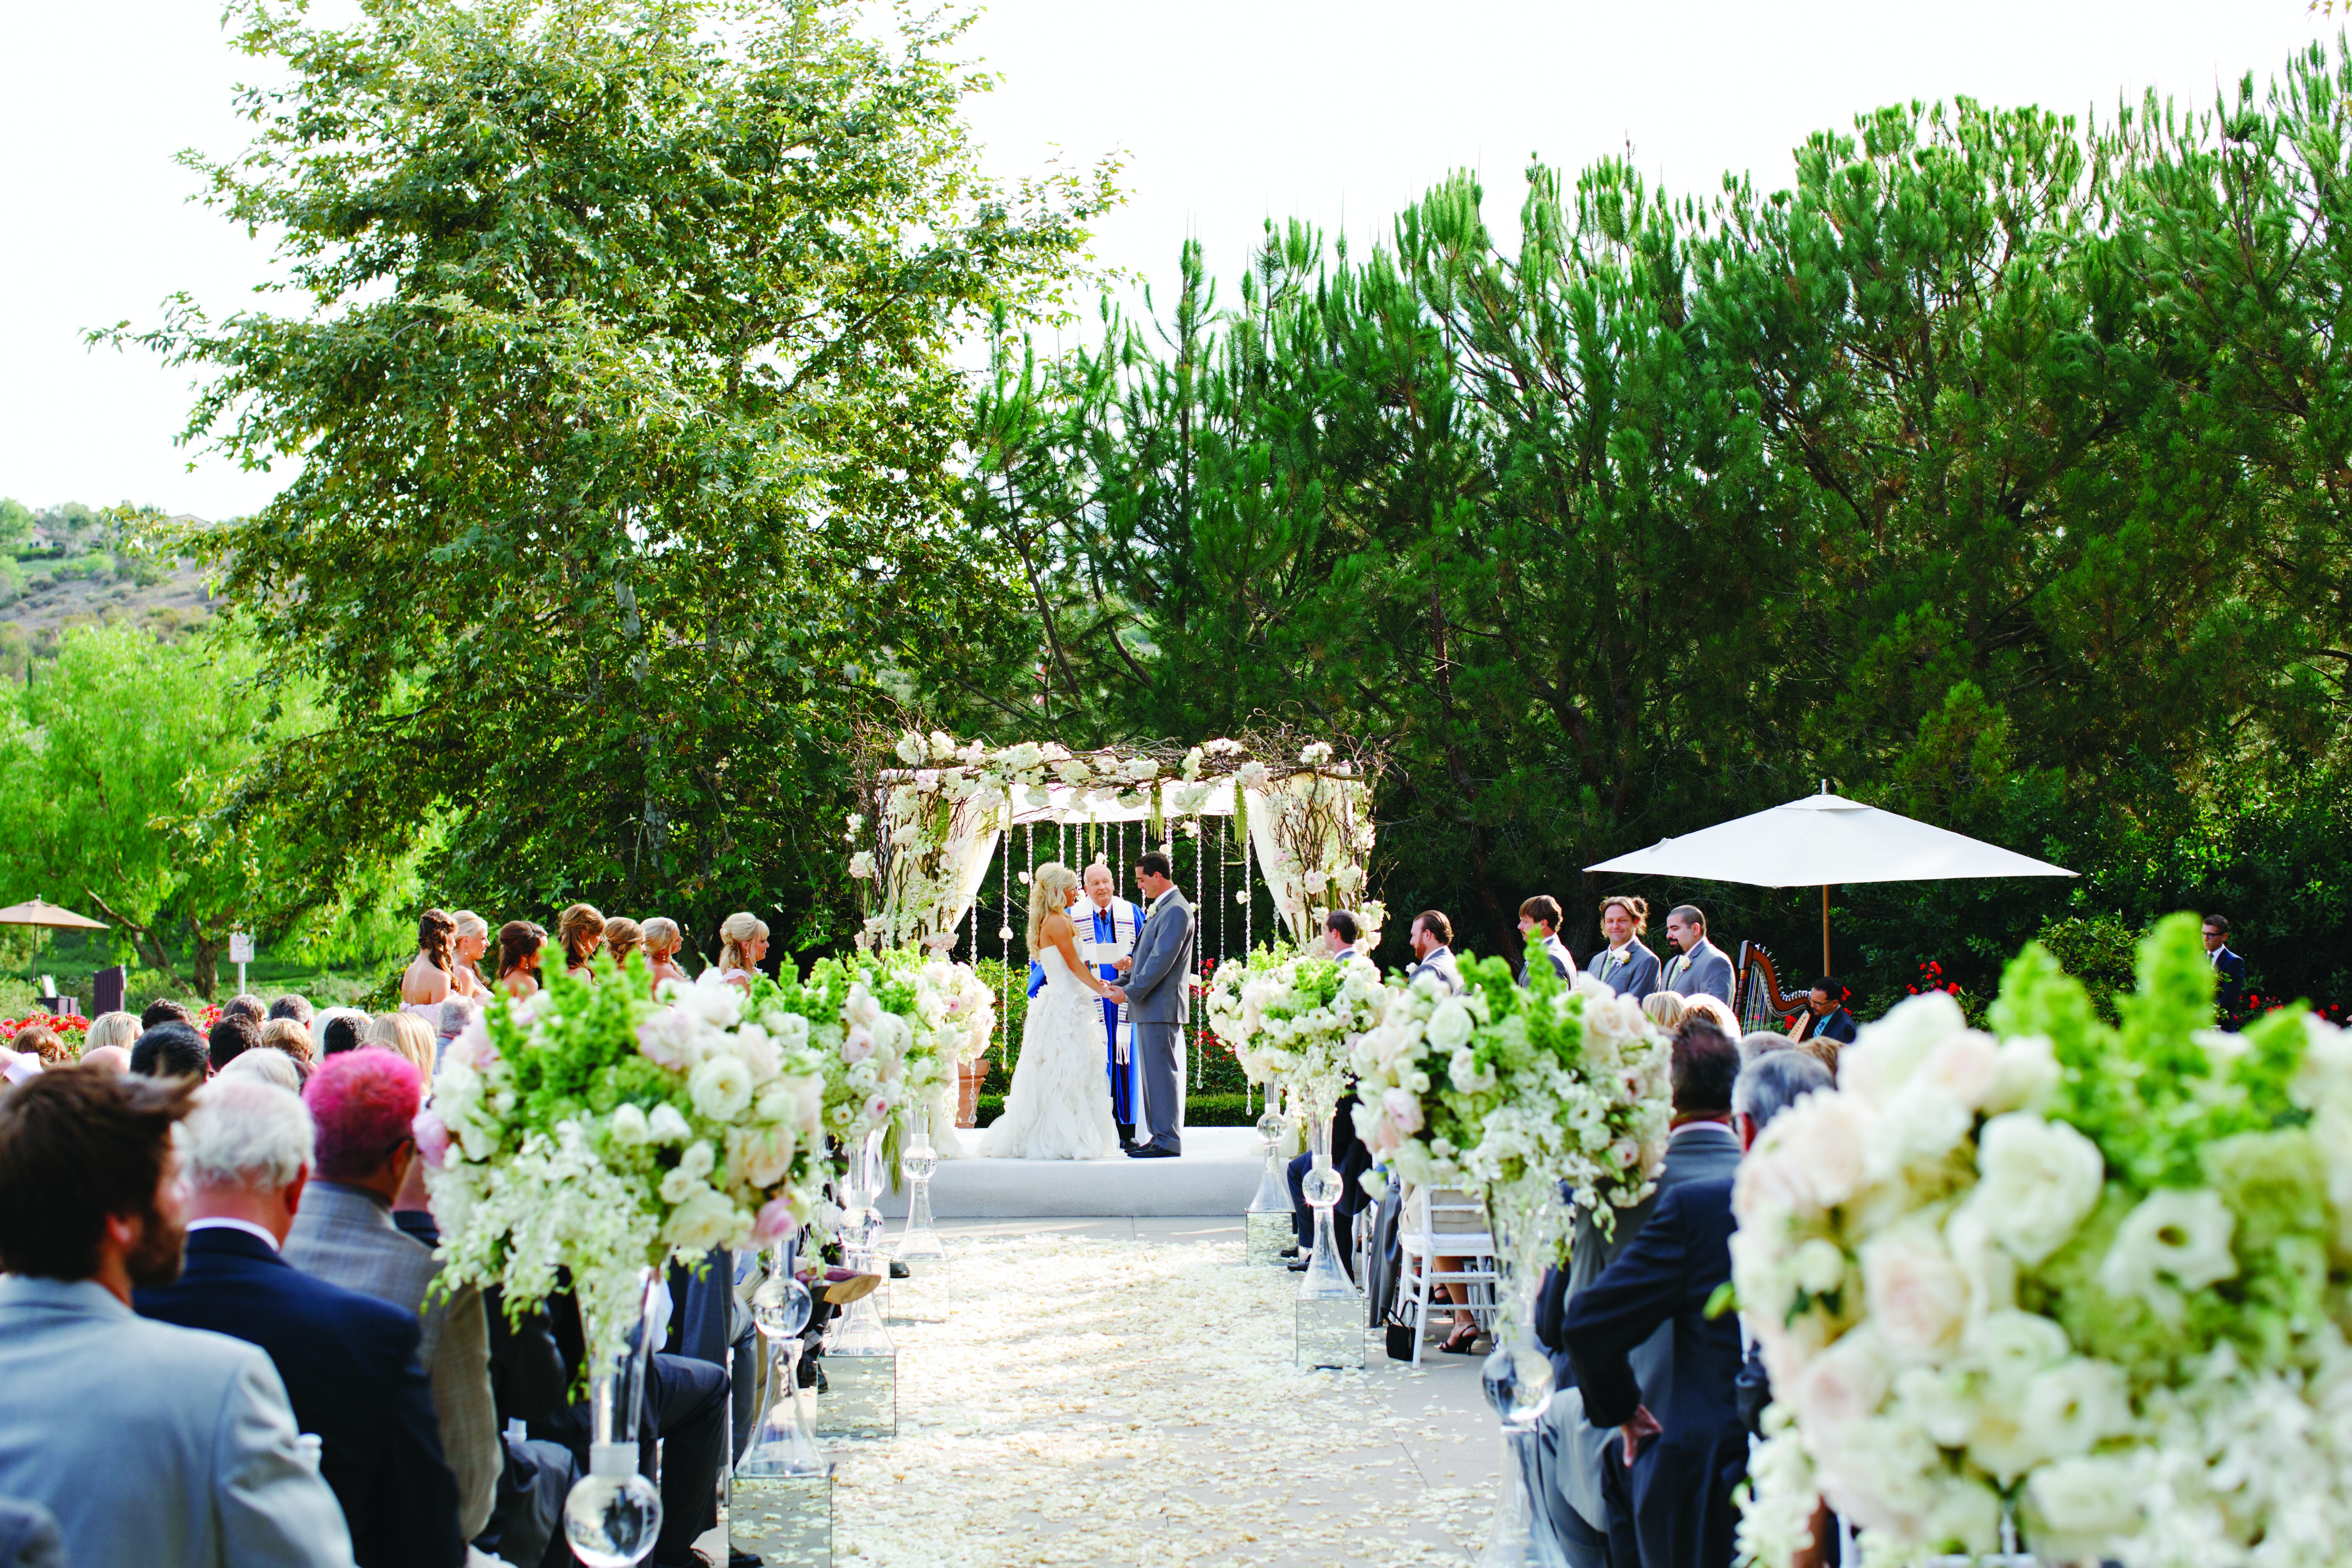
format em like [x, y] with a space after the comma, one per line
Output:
[1821, 840]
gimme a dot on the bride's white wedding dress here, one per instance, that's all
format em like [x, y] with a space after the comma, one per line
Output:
[1059, 1105]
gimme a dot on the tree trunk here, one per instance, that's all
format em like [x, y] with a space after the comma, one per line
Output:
[204, 966]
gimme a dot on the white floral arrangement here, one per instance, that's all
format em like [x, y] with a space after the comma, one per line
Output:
[1503, 1088]
[889, 1030]
[1295, 1018]
[2092, 1279]
[589, 1128]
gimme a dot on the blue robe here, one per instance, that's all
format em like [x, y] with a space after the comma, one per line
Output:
[1103, 927]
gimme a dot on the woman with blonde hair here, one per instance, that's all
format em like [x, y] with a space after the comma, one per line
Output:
[293, 1039]
[1665, 1010]
[472, 941]
[742, 943]
[1059, 1105]
[580, 929]
[663, 939]
[1625, 964]
[405, 1035]
[112, 1029]
[1713, 1007]
[622, 937]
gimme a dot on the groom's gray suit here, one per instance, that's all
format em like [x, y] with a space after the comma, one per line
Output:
[1155, 1005]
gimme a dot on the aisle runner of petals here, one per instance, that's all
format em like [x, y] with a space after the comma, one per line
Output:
[1131, 1402]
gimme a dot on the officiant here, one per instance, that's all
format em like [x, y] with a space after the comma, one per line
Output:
[1106, 931]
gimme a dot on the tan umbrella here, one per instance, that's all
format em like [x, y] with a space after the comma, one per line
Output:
[35, 913]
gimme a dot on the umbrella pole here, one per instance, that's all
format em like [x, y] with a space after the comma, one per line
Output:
[1826, 969]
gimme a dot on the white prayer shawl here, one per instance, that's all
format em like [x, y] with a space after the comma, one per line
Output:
[1125, 919]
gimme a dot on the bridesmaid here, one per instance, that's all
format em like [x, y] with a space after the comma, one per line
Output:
[742, 943]
[1625, 965]
[622, 937]
[580, 929]
[519, 945]
[473, 941]
[430, 977]
[663, 939]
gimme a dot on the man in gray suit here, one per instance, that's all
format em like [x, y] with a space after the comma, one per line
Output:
[1155, 992]
[1701, 1147]
[363, 1103]
[1698, 967]
[1432, 952]
[150, 1444]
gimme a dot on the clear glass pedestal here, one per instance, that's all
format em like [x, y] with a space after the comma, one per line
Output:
[1329, 1332]
[780, 1498]
[1269, 1226]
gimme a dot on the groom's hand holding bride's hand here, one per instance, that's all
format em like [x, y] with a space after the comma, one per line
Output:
[1114, 994]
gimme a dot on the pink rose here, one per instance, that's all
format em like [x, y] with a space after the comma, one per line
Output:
[773, 1223]
[877, 1108]
[1402, 1109]
[858, 1045]
[472, 1047]
[665, 1036]
[432, 1137]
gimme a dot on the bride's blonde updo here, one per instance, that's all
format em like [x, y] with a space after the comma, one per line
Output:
[1048, 886]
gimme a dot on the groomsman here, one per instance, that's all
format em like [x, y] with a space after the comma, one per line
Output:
[1698, 968]
[1540, 924]
[1110, 927]
[2229, 987]
[1433, 951]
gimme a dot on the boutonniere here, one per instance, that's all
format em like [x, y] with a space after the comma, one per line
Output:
[1619, 956]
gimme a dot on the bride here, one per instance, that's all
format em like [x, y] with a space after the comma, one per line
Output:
[1059, 1105]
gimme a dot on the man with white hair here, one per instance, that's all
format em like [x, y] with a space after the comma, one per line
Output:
[348, 1361]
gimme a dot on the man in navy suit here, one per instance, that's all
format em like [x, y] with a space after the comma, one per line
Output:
[348, 1361]
[1681, 1442]
[2229, 971]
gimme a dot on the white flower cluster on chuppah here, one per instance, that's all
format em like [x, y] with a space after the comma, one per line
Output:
[936, 807]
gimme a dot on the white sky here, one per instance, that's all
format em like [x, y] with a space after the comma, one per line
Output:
[1227, 111]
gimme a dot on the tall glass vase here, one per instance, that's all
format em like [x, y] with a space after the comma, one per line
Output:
[861, 1379]
[1329, 1316]
[1268, 1226]
[613, 1514]
[782, 1443]
[1525, 1219]
[922, 1295]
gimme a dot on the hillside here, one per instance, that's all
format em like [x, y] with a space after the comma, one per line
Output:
[69, 569]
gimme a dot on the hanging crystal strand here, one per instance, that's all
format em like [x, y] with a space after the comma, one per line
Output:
[1195, 1005]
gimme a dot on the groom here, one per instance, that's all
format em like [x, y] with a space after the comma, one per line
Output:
[1157, 976]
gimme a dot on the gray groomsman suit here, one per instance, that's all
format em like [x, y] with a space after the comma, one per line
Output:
[1440, 963]
[154, 1445]
[1569, 1448]
[1155, 986]
[1702, 971]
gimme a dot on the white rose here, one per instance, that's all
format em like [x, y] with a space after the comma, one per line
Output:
[1819, 1146]
[629, 1126]
[892, 1036]
[700, 1159]
[1916, 1293]
[1449, 1024]
[859, 1006]
[720, 1086]
[1845, 1383]
[2083, 1505]
[2039, 1181]
[911, 750]
[1820, 1266]
[666, 1126]
[1884, 1054]
[1965, 1066]
[2028, 1075]
[705, 1220]
[861, 865]
[677, 1184]
[759, 1158]
[2183, 1237]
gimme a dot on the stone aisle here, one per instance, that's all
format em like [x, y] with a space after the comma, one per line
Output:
[1114, 1391]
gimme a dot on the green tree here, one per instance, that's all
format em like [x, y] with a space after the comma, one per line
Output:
[120, 775]
[621, 388]
[16, 523]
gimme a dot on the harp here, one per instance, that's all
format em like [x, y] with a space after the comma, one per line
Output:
[1757, 995]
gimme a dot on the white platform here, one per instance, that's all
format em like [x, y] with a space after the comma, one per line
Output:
[1216, 1175]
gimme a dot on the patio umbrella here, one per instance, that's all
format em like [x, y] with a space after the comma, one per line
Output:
[35, 913]
[1822, 840]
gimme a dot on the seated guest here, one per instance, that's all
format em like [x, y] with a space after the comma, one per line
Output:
[363, 1103]
[1665, 1010]
[1699, 1004]
[1700, 1146]
[1540, 924]
[106, 1058]
[231, 1037]
[1679, 1448]
[404, 1034]
[1698, 968]
[1625, 964]
[246, 1005]
[268, 1065]
[1826, 1018]
[340, 1030]
[293, 1039]
[43, 1044]
[121, 1029]
[348, 1361]
[292, 1005]
[1433, 951]
[153, 1445]
[1758, 1042]
[171, 1051]
[163, 1009]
